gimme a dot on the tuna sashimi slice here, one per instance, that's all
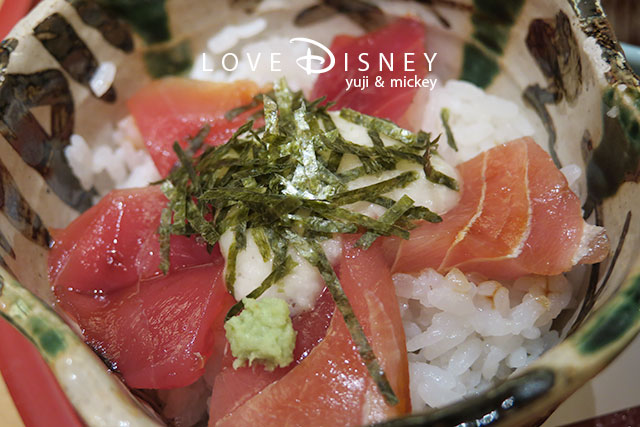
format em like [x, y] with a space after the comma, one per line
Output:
[430, 242]
[526, 220]
[104, 267]
[500, 226]
[232, 387]
[403, 38]
[331, 386]
[159, 333]
[97, 251]
[115, 244]
[556, 219]
[174, 109]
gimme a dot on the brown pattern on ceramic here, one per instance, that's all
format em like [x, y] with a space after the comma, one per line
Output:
[41, 151]
[555, 49]
[60, 39]
[112, 29]
[19, 213]
[364, 13]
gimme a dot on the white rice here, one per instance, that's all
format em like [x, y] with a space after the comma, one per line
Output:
[103, 78]
[230, 35]
[463, 337]
[478, 121]
[594, 51]
[120, 163]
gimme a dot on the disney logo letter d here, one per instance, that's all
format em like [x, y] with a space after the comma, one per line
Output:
[305, 62]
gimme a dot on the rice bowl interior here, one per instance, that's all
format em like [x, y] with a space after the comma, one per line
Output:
[464, 333]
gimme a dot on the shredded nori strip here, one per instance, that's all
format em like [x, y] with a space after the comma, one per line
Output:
[393, 214]
[444, 116]
[281, 185]
[374, 190]
[164, 236]
[230, 268]
[196, 142]
[436, 176]
[262, 242]
[313, 253]
[278, 272]
[255, 102]
[382, 126]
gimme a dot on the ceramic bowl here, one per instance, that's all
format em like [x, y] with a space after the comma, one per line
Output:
[559, 60]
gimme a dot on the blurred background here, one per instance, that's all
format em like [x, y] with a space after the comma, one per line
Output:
[625, 17]
[624, 14]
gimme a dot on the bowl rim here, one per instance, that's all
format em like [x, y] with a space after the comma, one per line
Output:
[569, 367]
